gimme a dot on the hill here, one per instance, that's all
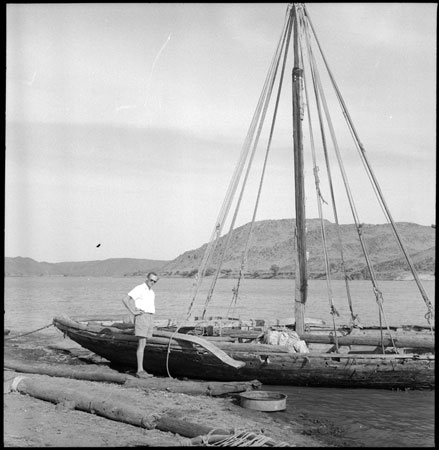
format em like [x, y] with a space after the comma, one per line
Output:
[115, 267]
[271, 253]
[272, 250]
[18, 267]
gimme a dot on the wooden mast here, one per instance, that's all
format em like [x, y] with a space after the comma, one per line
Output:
[301, 279]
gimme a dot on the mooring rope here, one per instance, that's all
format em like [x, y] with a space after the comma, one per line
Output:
[29, 332]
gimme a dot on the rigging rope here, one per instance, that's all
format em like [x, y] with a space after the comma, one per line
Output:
[232, 187]
[250, 232]
[314, 72]
[271, 79]
[333, 310]
[229, 195]
[262, 105]
[362, 153]
[313, 68]
[358, 225]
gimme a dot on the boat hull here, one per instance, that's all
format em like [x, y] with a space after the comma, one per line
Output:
[266, 363]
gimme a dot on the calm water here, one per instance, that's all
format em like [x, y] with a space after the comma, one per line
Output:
[368, 417]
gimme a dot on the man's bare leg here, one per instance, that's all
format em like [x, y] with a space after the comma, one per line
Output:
[139, 354]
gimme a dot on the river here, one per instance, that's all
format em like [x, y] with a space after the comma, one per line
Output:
[373, 418]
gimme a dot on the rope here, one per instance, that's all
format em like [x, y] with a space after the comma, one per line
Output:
[345, 179]
[167, 358]
[285, 44]
[268, 88]
[29, 332]
[249, 439]
[333, 311]
[374, 181]
[314, 72]
[235, 290]
[234, 182]
[168, 353]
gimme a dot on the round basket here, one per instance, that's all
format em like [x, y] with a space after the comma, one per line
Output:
[263, 400]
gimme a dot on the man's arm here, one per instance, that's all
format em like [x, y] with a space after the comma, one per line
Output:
[129, 304]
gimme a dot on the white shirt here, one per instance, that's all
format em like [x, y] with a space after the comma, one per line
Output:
[144, 298]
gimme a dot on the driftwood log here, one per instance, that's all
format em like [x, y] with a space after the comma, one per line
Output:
[105, 374]
[81, 399]
[191, 387]
[119, 410]
[188, 429]
[91, 373]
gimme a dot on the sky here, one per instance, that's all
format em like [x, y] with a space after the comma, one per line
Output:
[124, 122]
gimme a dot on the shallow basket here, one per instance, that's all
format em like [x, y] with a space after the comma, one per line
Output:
[263, 400]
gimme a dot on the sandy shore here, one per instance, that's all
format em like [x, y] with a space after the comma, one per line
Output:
[30, 422]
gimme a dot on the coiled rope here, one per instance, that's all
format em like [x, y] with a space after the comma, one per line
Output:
[249, 439]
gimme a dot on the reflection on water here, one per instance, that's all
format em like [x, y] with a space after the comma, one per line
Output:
[368, 417]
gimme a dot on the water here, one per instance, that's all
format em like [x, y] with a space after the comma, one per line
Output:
[367, 417]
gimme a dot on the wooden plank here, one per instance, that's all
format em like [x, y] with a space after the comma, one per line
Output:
[100, 318]
[401, 340]
[220, 354]
[234, 347]
[238, 334]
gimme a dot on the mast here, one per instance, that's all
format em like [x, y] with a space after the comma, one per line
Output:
[301, 279]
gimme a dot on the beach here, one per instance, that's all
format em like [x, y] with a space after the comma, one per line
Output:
[31, 422]
[337, 417]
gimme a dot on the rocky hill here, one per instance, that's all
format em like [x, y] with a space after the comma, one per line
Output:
[271, 253]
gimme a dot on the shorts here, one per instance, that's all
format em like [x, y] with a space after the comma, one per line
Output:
[143, 325]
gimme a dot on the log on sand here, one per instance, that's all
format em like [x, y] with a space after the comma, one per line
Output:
[76, 372]
[105, 374]
[54, 391]
[186, 428]
[211, 388]
[120, 410]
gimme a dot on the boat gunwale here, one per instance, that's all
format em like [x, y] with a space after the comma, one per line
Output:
[232, 347]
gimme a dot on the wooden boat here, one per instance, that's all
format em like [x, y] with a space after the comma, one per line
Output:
[311, 354]
[171, 352]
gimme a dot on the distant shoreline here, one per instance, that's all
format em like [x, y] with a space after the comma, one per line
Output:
[405, 277]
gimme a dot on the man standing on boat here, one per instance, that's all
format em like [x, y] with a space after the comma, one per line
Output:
[140, 302]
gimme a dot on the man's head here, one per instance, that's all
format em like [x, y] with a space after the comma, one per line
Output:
[151, 279]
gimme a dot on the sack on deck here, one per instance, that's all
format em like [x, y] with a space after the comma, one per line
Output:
[286, 338]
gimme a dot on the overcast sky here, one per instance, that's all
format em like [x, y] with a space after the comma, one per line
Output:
[124, 122]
